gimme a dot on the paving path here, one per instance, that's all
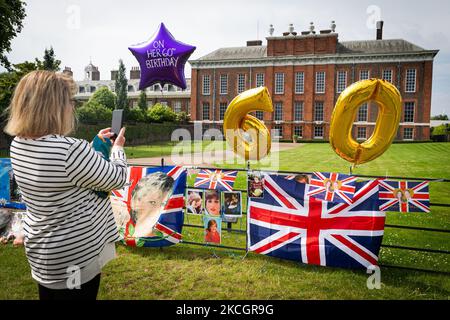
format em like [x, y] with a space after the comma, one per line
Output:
[205, 158]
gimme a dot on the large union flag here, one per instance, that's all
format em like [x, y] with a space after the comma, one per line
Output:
[170, 223]
[221, 180]
[290, 225]
[404, 196]
[333, 187]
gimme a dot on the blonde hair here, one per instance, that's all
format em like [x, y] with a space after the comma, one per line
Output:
[42, 104]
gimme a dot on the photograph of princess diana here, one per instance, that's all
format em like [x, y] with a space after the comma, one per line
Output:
[194, 201]
[232, 204]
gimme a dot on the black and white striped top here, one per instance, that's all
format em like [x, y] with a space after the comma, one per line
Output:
[67, 223]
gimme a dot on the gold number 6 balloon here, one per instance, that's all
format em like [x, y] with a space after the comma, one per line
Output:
[246, 134]
[389, 101]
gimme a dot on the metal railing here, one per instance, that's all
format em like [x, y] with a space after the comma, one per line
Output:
[230, 229]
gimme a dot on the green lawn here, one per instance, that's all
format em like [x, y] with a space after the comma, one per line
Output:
[192, 272]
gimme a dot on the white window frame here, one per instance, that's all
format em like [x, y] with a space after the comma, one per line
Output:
[361, 77]
[241, 82]
[384, 75]
[260, 80]
[360, 137]
[410, 82]
[279, 129]
[341, 82]
[315, 135]
[320, 86]
[206, 85]
[298, 105]
[409, 103]
[177, 106]
[279, 83]
[322, 104]
[221, 105]
[278, 112]
[301, 131]
[224, 84]
[366, 112]
[206, 104]
[412, 134]
[300, 82]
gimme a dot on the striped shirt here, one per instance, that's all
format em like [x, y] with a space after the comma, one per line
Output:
[67, 224]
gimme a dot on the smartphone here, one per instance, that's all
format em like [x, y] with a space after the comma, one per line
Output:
[117, 122]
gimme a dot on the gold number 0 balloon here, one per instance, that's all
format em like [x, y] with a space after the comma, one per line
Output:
[389, 101]
[246, 134]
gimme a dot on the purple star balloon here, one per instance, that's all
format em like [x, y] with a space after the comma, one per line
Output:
[162, 59]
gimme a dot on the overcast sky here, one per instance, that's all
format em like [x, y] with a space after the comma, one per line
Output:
[102, 30]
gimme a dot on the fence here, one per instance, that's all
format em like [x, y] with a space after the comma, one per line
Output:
[230, 229]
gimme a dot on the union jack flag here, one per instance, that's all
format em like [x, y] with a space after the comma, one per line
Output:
[334, 187]
[221, 180]
[404, 196]
[170, 223]
[288, 224]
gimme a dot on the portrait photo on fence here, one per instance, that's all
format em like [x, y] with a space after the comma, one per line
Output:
[213, 229]
[231, 204]
[195, 201]
[255, 184]
[212, 203]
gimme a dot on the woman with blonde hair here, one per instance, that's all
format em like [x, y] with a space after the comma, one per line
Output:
[69, 228]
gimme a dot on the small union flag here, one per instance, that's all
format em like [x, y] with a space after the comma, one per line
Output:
[333, 187]
[404, 196]
[221, 180]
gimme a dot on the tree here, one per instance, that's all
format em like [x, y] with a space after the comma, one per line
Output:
[160, 113]
[440, 117]
[93, 112]
[121, 88]
[12, 13]
[182, 117]
[50, 62]
[105, 97]
[9, 80]
[136, 114]
[142, 102]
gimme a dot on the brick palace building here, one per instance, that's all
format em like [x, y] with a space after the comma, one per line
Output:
[306, 72]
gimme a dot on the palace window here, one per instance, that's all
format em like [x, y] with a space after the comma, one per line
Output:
[241, 83]
[361, 133]
[278, 131]
[341, 81]
[259, 115]
[278, 116]
[299, 82]
[206, 85]
[222, 109]
[409, 112]
[279, 83]
[177, 106]
[410, 80]
[260, 80]
[223, 84]
[320, 82]
[205, 111]
[407, 133]
[318, 111]
[298, 131]
[362, 113]
[318, 132]
[364, 75]
[298, 111]
[387, 75]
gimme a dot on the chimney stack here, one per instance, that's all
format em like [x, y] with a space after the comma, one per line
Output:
[380, 30]
[135, 73]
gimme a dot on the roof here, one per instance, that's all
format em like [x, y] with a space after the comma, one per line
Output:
[345, 47]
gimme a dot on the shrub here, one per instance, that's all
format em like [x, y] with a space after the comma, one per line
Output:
[105, 97]
[135, 115]
[93, 112]
[160, 113]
